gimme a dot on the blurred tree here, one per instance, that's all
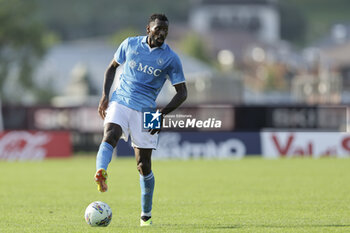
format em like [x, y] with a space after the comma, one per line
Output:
[118, 37]
[87, 18]
[293, 23]
[275, 78]
[194, 46]
[22, 43]
[315, 17]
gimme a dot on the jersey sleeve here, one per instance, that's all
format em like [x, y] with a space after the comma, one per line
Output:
[175, 72]
[119, 55]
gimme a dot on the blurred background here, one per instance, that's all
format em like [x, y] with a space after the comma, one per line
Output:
[273, 65]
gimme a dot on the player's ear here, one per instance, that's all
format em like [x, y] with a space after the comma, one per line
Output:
[148, 29]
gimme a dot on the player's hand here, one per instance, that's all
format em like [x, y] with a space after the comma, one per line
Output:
[153, 131]
[103, 105]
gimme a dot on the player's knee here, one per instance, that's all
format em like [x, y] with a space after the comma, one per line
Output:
[144, 167]
[109, 137]
[112, 135]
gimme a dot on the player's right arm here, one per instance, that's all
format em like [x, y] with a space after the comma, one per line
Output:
[107, 84]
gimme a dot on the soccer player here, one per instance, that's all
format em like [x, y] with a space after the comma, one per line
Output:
[148, 62]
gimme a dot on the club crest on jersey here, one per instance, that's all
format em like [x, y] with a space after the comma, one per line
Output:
[160, 61]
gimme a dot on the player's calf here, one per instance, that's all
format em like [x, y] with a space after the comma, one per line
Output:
[143, 160]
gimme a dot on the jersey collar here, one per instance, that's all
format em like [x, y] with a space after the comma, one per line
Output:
[144, 41]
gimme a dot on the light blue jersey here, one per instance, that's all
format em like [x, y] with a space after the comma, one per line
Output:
[145, 71]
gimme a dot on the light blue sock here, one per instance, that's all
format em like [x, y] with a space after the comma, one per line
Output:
[104, 155]
[147, 187]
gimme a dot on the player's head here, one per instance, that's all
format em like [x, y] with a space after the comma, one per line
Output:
[157, 29]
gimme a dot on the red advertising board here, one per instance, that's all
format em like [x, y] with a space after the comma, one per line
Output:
[34, 145]
[313, 144]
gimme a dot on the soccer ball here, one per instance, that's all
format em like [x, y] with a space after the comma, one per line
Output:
[98, 214]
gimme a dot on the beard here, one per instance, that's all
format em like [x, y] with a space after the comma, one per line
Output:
[157, 41]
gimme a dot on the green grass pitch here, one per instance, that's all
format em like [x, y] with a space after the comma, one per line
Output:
[248, 195]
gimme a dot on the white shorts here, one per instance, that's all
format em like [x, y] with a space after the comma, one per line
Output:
[131, 122]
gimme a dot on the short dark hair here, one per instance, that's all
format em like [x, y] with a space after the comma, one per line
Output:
[161, 17]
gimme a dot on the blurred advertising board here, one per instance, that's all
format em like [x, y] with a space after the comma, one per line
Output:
[15, 117]
[224, 118]
[82, 119]
[320, 118]
[211, 124]
[34, 145]
[308, 144]
[86, 141]
[187, 145]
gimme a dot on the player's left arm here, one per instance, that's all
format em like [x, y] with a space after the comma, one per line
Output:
[176, 101]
